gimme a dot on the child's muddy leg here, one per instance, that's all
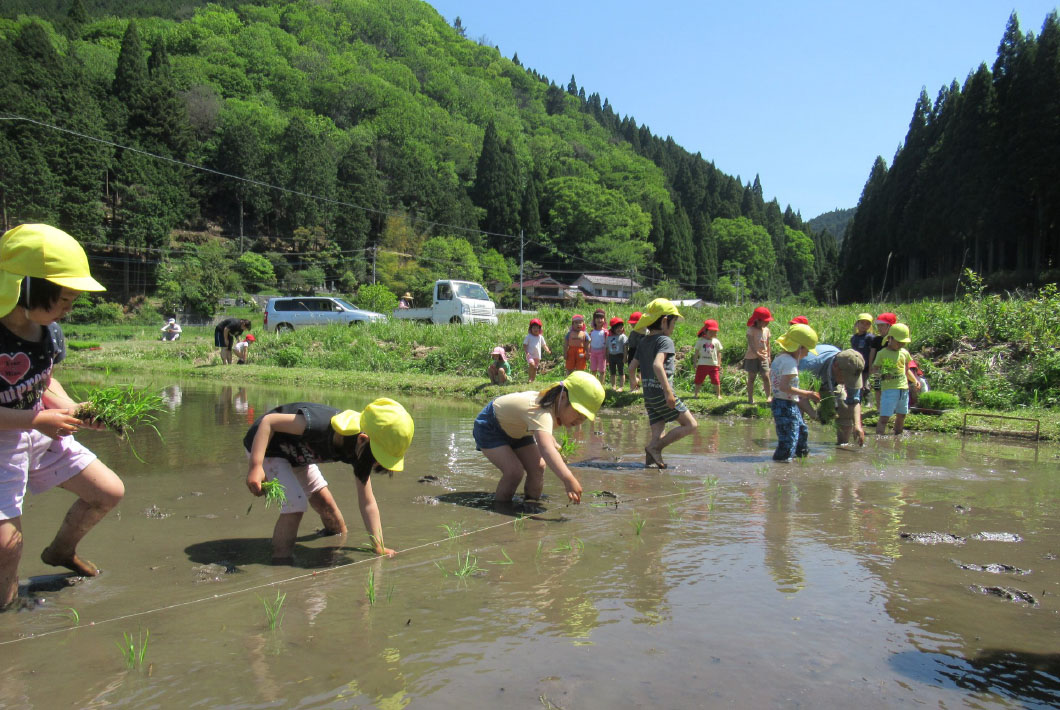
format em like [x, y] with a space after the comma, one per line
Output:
[330, 515]
[283, 537]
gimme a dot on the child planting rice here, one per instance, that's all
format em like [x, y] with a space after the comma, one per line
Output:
[286, 444]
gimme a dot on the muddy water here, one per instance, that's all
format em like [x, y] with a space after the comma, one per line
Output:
[772, 585]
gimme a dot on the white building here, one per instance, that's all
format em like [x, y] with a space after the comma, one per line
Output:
[613, 289]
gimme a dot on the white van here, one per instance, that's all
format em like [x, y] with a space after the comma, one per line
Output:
[288, 313]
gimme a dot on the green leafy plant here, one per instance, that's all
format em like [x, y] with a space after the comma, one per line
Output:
[936, 399]
[274, 610]
[275, 493]
[134, 649]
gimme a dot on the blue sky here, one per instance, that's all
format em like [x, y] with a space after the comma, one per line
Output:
[804, 94]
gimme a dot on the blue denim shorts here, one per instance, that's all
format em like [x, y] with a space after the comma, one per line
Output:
[894, 402]
[489, 434]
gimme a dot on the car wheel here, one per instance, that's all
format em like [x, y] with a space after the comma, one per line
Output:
[284, 328]
[355, 322]
[455, 319]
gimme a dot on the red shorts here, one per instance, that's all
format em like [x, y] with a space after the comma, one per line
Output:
[703, 370]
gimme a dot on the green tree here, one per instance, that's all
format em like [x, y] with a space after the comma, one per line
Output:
[496, 189]
[746, 246]
[376, 297]
[256, 270]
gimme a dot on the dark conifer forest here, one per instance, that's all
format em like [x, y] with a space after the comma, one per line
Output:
[974, 185]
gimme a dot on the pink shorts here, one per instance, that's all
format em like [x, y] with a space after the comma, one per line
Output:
[300, 482]
[598, 360]
[531, 360]
[32, 461]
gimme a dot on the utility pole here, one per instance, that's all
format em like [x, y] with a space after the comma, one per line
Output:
[520, 271]
[374, 251]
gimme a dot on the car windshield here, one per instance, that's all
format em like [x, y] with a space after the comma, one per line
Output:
[346, 304]
[473, 291]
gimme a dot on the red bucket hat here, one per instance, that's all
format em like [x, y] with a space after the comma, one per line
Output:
[535, 321]
[250, 338]
[708, 324]
[799, 319]
[888, 318]
[634, 317]
[616, 321]
[761, 313]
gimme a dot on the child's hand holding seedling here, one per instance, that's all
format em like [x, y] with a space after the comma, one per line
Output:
[256, 477]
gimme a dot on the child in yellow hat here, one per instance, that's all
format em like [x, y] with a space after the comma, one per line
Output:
[42, 271]
[514, 432]
[792, 432]
[288, 442]
[892, 362]
[655, 359]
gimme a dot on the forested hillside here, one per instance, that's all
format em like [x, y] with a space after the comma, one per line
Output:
[366, 134]
[835, 222]
[976, 183]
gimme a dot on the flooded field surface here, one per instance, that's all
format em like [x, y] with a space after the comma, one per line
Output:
[915, 572]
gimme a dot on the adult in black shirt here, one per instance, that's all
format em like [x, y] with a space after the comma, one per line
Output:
[224, 336]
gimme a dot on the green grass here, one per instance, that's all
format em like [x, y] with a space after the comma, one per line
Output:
[134, 649]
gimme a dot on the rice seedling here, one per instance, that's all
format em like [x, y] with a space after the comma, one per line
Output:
[675, 514]
[507, 560]
[454, 530]
[710, 502]
[274, 610]
[540, 544]
[467, 567]
[569, 545]
[71, 614]
[275, 493]
[520, 522]
[134, 649]
[568, 446]
[121, 408]
[638, 523]
[710, 481]
[389, 592]
[761, 470]
[369, 587]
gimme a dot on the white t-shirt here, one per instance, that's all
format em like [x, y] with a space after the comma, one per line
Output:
[533, 345]
[616, 344]
[597, 339]
[708, 350]
[782, 365]
[240, 348]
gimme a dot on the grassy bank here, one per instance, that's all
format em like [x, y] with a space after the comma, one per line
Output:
[999, 356]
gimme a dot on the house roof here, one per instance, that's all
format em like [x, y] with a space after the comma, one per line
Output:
[608, 280]
[543, 281]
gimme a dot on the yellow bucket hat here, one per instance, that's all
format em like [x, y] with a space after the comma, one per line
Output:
[43, 252]
[900, 332]
[798, 334]
[656, 309]
[585, 393]
[865, 316]
[389, 428]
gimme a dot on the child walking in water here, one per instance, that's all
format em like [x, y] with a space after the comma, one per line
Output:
[42, 271]
[514, 432]
[708, 354]
[532, 346]
[631, 351]
[883, 325]
[655, 358]
[892, 362]
[756, 359]
[288, 442]
[598, 345]
[575, 344]
[861, 341]
[616, 353]
[792, 432]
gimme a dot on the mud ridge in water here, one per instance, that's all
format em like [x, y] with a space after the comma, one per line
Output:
[997, 537]
[933, 538]
[993, 567]
[1008, 593]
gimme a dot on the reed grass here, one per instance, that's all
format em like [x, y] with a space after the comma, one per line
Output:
[134, 649]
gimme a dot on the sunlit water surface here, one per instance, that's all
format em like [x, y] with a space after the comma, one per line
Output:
[726, 580]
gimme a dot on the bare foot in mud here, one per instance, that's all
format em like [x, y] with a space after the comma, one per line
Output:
[71, 562]
[652, 457]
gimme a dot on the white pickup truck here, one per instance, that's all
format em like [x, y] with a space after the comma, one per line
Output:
[455, 302]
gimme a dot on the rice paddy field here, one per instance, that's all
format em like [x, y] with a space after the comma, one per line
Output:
[920, 571]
